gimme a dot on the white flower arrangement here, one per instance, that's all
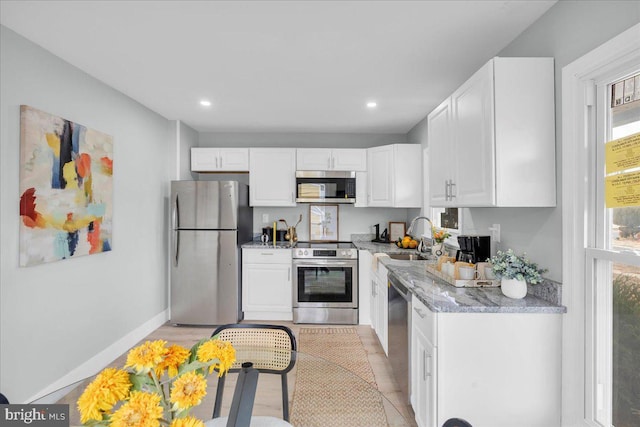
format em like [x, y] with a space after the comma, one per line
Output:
[508, 265]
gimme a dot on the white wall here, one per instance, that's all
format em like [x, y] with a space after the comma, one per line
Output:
[351, 220]
[56, 316]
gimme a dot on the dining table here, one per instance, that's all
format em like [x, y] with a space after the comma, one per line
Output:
[321, 392]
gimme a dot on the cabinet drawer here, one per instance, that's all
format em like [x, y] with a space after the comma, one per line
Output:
[424, 320]
[262, 256]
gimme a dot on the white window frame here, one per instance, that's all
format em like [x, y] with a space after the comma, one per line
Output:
[579, 397]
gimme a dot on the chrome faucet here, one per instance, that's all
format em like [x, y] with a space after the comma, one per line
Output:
[422, 246]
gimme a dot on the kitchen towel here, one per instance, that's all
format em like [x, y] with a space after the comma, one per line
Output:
[376, 259]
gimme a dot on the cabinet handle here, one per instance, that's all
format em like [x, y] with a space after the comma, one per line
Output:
[293, 199]
[424, 365]
[446, 190]
[453, 184]
[289, 274]
[420, 313]
[428, 365]
[266, 253]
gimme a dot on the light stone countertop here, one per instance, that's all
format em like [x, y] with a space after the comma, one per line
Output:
[259, 245]
[441, 297]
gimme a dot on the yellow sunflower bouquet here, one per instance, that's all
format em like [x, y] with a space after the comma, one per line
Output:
[158, 385]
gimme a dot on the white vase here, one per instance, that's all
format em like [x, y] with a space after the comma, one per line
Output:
[437, 249]
[514, 288]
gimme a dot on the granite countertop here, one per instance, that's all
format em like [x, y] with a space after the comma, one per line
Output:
[441, 297]
[257, 244]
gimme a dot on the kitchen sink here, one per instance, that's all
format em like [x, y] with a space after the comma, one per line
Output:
[407, 257]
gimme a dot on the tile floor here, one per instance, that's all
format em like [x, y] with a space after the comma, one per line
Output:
[268, 393]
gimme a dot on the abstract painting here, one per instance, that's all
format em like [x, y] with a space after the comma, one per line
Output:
[66, 189]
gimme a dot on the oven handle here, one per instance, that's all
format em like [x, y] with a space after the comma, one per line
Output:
[322, 262]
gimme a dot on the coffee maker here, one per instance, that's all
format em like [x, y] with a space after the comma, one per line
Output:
[473, 249]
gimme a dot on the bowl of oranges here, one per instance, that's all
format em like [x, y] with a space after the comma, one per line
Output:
[407, 242]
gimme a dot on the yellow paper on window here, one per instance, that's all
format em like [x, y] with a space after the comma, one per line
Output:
[622, 154]
[622, 190]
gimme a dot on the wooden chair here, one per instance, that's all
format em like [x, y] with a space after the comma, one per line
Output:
[260, 337]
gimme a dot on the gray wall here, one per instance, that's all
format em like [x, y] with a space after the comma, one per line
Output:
[187, 138]
[566, 32]
[55, 317]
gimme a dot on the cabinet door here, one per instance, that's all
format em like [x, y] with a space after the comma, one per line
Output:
[474, 140]
[266, 288]
[423, 364]
[204, 159]
[441, 168]
[374, 302]
[406, 178]
[234, 159]
[349, 159]
[379, 176]
[272, 176]
[313, 159]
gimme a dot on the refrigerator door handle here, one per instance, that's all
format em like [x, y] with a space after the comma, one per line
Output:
[176, 247]
[175, 214]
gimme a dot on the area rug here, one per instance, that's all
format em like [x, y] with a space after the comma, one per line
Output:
[353, 401]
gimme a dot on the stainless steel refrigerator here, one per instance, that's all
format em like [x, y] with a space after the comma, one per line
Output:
[209, 222]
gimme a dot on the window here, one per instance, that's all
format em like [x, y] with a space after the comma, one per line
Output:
[613, 272]
[601, 254]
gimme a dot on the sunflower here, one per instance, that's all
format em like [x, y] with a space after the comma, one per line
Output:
[175, 356]
[146, 356]
[142, 410]
[187, 422]
[188, 390]
[110, 386]
[217, 349]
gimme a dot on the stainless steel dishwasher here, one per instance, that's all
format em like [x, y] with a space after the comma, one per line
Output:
[399, 334]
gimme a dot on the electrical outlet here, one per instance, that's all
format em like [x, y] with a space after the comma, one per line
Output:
[265, 218]
[495, 232]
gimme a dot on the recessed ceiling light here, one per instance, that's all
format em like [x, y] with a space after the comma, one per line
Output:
[205, 103]
[372, 104]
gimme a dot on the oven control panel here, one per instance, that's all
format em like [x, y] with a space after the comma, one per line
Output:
[325, 253]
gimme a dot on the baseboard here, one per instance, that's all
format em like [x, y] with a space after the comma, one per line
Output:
[54, 391]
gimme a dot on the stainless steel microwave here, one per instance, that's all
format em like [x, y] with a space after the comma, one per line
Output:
[325, 187]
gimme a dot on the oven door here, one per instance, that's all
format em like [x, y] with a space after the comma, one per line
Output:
[325, 283]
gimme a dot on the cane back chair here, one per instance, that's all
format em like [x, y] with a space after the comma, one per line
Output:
[259, 341]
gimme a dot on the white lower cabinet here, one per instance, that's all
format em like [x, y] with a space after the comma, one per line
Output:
[491, 369]
[266, 284]
[380, 305]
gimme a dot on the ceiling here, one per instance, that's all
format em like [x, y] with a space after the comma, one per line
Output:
[278, 66]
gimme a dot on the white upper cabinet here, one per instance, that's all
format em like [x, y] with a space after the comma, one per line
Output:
[272, 176]
[209, 159]
[327, 159]
[394, 176]
[492, 142]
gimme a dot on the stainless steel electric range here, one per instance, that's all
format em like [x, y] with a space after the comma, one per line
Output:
[325, 283]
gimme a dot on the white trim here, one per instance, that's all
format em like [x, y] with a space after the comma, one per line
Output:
[54, 391]
[576, 77]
